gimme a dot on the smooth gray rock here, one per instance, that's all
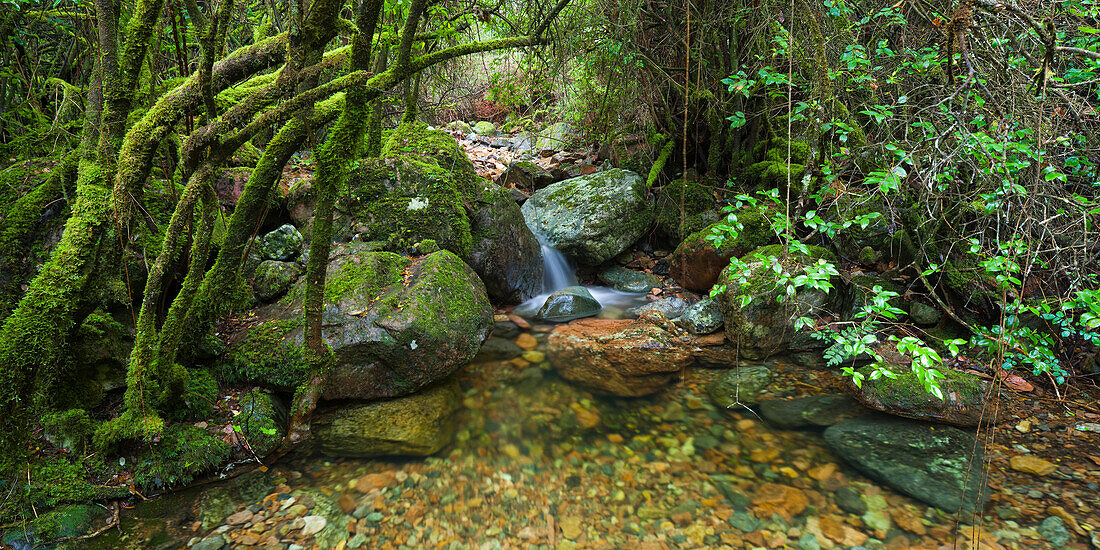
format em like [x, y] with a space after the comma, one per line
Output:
[671, 307]
[702, 317]
[505, 254]
[933, 463]
[569, 303]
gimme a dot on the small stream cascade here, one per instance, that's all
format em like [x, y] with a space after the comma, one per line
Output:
[558, 273]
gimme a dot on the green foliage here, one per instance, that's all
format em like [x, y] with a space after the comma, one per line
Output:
[182, 453]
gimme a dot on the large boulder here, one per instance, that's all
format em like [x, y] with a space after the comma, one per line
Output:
[766, 325]
[504, 253]
[394, 324]
[627, 358]
[904, 395]
[628, 280]
[424, 187]
[936, 464]
[696, 262]
[417, 425]
[703, 317]
[591, 218]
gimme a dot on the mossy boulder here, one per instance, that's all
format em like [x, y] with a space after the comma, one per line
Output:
[862, 293]
[394, 324]
[262, 421]
[766, 325]
[183, 453]
[700, 209]
[904, 395]
[696, 262]
[939, 465]
[424, 187]
[274, 278]
[282, 244]
[702, 317]
[504, 253]
[101, 348]
[485, 128]
[591, 218]
[416, 425]
[71, 520]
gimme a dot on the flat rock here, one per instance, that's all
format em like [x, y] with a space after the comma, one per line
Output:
[932, 463]
[1032, 465]
[628, 358]
[814, 410]
[739, 386]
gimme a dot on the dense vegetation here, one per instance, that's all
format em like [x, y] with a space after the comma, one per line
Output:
[954, 144]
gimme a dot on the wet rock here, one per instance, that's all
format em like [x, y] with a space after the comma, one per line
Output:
[766, 325]
[814, 410]
[591, 218]
[505, 329]
[739, 386]
[786, 501]
[620, 357]
[932, 463]
[628, 280]
[311, 525]
[505, 254]
[1032, 465]
[213, 542]
[284, 243]
[394, 324]
[262, 421]
[525, 174]
[485, 128]
[417, 425]
[924, 314]
[1053, 530]
[671, 308]
[849, 500]
[274, 278]
[702, 317]
[696, 262]
[569, 303]
[498, 349]
[906, 396]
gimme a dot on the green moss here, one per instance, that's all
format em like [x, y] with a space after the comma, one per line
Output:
[907, 389]
[779, 251]
[200, 392]
[700, 208]
[49, 482]
[261, 421]
[770, 174]
[420, 190]
[782, 150]
[71, 429]
[183, 453]
[269, 355]
[367, 279]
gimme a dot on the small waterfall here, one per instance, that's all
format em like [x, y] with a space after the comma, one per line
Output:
[557, 273]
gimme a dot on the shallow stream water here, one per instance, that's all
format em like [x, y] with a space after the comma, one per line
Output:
[540, 463]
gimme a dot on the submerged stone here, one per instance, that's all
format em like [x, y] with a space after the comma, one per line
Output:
[814, 410]
[416, 425]
[936, 464]
[739, 386]
[569, 303]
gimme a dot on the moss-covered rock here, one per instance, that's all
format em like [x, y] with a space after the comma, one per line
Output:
[524, 174]
[766, 326]
[274, 278]
[573, 302]
[700, 209]
[183, 453]
[904, 395]
[394, 324]
[628, 280]
[200, 392]
[591, 218]
[696, 262]
[425, 188]
[70, 429]
[504, 252]
[282, 244]
[416, 425]
[262, 421]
